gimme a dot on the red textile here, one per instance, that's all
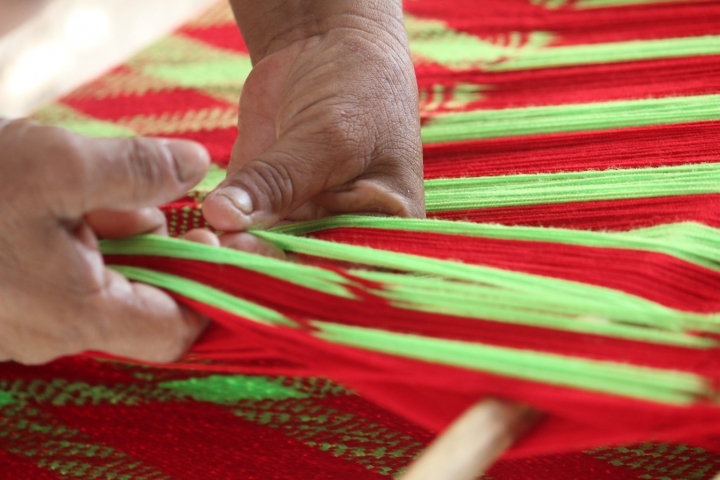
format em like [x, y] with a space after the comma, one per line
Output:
[87, 418]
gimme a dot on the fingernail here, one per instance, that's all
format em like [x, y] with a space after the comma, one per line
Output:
[239, 199]
[191, 159]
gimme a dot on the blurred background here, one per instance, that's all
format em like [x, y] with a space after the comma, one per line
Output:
[49, 47]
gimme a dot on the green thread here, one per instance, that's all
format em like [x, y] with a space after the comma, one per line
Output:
[534, 189]
[6, 398]
[203, 74]
[559, 296]
[229, 389]
[374, 446]
[434, 40]
[35, 435]
[60, 393]
[661, 460]
[207, 295]
[310, 277]
[186, 62]
[437, 42]
[180, 49]
[595, 301]
[605, 377]
[98, 128]
[487, 302]
[627, 380]
[604, 53]
[688, 241]
[78, 122]
[527, 189]
[510, 122]
[511, 307]
[491, 294]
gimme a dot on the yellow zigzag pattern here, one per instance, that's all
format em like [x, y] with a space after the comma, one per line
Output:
[230, 94]
[122, 83]
[179, 49]
[173, 50]
[176, 123]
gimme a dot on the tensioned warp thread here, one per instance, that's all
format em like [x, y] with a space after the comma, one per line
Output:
[597, 116]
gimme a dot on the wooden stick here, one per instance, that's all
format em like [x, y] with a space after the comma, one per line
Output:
[473, 442]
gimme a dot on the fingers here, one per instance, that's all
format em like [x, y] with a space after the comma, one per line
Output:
[372, 197]
[114, 225]
[237, 241]
[122, 174]
[143, 323]
[251, 244]
[125, 174]
[264, 190]
[74, 174]
[277, 185]
[146, 324]
[201, 235]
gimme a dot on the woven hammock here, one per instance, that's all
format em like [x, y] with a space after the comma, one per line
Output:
[570, 261]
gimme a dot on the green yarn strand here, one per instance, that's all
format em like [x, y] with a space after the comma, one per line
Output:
[595, 301]
[521, 308]
[664, 386]
[207, 295]
[449, 288]
[692, 242]
[151, 245]
[603, 53]
[483, 124]
[519, 190]
[625, 380]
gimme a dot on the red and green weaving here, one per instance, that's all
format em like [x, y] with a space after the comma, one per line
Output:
[571, 261]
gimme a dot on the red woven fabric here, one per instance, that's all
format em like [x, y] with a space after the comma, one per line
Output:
[247, 402]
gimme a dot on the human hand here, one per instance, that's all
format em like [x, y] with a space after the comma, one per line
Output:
[59, 192]
[328, 119]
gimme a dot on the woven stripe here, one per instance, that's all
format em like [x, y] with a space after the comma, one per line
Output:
[510, 122]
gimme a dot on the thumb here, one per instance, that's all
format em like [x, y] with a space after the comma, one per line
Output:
[129, 174]
[269, 187]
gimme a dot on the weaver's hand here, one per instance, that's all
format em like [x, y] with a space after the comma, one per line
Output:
[328, 117]
[58, 192]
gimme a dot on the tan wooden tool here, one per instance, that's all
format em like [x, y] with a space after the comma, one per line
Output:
[473, 442]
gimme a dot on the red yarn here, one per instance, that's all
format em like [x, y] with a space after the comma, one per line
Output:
[303, 304]
[697, 75]
[655, 276]
[601, 214]
[656, 146]
[574, 26]
[433, 395]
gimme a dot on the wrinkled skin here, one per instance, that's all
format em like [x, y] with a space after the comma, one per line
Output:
[59, 192]
[328, 124]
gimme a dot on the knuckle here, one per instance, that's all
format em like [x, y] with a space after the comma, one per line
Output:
[343, 139]
[65, 151]
[274, 180]
[144, 170]
[65, 147]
